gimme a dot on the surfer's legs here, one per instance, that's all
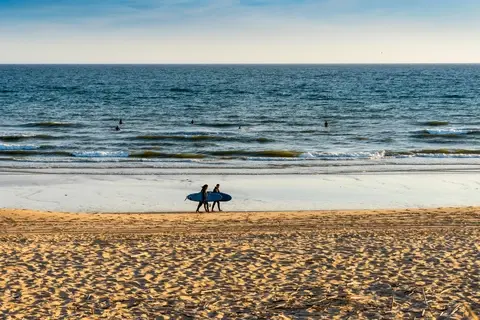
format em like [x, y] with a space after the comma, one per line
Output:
[205, 204]
[218, 205]
[199, 205]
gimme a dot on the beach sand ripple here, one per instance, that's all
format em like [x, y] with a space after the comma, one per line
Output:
[400, 264]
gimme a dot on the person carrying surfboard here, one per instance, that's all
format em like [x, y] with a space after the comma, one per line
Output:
[216, 190]
[204, 198]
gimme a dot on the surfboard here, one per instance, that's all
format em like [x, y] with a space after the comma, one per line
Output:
[225, 197]
[210, 197]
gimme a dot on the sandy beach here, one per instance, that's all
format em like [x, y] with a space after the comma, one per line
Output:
[357, 264]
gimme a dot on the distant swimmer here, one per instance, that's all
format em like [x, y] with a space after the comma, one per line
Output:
[239, 127]
[192, 122]
[326, 124]
[216, 190]
[204, 198]
[117, 128]
[120, 122]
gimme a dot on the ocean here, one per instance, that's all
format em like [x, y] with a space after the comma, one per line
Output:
[251, 118]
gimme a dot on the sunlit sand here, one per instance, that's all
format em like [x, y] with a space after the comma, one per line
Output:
[273, 265]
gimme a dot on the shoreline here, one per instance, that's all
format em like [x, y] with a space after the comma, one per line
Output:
[239, 167]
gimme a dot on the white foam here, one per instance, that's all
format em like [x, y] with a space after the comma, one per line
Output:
[343, 155]
[101, 154]
[448, 155]
[449, 131]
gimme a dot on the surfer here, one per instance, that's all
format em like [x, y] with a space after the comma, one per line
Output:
[117, 128]
[192, 122]
[216, 190]
[326, 124]
[204, 199]
[120, 122]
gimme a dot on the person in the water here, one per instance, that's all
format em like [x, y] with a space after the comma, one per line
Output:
[216, 190]
[204, 199]
[326, 124]
[192, 122]
[117, 128]
[120, 122]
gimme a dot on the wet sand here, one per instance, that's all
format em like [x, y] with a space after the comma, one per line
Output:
[376, 264]
[163, 192]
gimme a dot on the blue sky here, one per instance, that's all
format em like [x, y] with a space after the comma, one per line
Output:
[250, 31]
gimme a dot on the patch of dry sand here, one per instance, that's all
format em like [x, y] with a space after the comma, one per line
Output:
[395, 264]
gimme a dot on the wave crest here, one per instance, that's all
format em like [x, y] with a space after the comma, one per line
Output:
[435, 123]
[15, 147]
[52, 124]
[156, 154]
[13, 138]
[202, 138]
[261, 153]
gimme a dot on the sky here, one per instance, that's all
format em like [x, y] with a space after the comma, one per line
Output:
[239, 31]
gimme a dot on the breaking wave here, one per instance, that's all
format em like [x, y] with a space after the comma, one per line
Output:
[100, 154]
[448, 132]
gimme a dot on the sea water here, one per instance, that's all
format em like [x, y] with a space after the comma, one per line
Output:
[248, 117]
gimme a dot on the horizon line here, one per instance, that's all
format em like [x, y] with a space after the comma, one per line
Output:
[235, 63]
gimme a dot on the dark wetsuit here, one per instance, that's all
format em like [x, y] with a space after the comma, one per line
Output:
[216, 190]
[204, 200]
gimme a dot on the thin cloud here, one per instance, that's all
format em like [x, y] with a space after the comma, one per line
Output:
[158, 12]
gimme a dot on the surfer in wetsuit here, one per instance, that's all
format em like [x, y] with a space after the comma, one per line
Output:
[204, 199]
[120, 122]
[216, 190]
[326, 124]
[117, 128]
